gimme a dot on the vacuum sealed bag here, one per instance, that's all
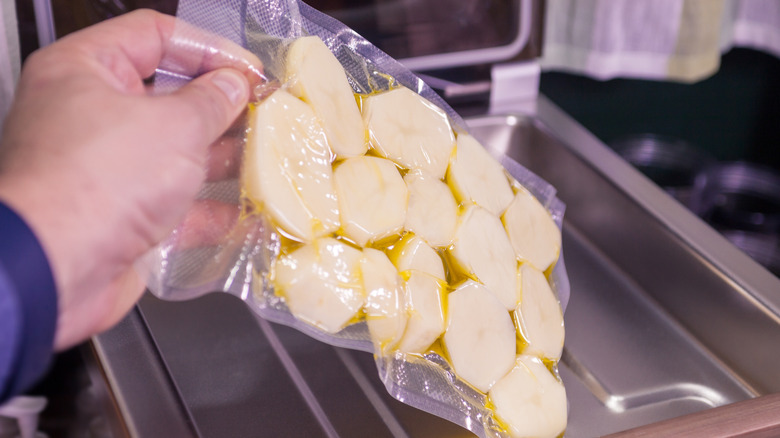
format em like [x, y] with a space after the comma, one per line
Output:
[353, 205]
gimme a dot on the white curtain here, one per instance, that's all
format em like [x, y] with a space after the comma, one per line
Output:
[679, 40]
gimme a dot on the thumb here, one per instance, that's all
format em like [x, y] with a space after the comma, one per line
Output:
[209, 104]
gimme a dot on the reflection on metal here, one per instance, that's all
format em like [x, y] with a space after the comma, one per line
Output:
[371, 394]
[670, 162]
[44, 22]
[664, 394]
[297, 378]
[479, 56]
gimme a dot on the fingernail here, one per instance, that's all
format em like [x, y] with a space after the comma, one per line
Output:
[233, 85]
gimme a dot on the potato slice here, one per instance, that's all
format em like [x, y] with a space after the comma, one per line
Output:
[385, 311]
[532, 231]
[404, 127]
[316, 76]
[372, 198]
[480, 337]
[530, 400]
[412, 253]
[432, 213]
[475, 176]
[538, 316]
[321, 283]
[425, 307]
[287, 168]
[482, 249]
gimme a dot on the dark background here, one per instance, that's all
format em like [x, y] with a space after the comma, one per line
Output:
[733, 115]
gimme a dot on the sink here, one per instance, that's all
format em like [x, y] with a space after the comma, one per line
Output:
[666, 318]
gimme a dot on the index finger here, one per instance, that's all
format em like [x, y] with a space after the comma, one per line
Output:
[143, 40]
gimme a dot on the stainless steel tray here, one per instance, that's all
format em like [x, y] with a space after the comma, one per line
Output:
[666, 318]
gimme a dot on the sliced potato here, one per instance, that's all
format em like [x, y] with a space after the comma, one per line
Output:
[412, 253]
[538, 316]
[321, 283]
[482, 249]
[287, 168]
[532, 231]
[480, 337]
[425, 307]
[475, 176]
[372, 198]
[317, 77]
[530, 400]
[432, 213]
[385, 310]
[406, 128]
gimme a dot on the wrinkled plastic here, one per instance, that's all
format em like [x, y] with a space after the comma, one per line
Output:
[237, 254]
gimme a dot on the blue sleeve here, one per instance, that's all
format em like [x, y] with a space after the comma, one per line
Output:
[28, 306]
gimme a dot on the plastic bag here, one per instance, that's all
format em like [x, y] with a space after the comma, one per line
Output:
[244, 246]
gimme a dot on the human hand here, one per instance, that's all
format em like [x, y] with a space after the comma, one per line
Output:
[100, 169]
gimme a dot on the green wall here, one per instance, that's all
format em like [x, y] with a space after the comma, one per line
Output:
[733, 115]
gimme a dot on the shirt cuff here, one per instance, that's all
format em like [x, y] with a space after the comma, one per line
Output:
[29, 281]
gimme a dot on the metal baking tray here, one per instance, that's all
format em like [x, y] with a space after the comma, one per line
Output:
[666, 318]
